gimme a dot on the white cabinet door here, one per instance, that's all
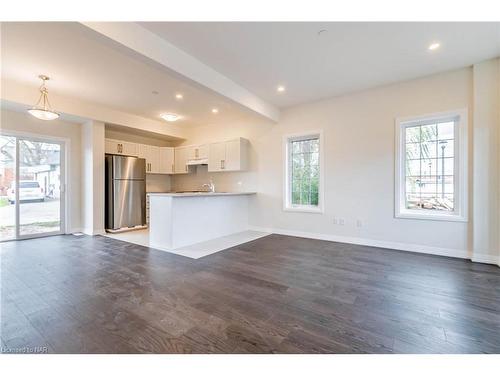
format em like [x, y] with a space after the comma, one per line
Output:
[216, 156]
[142, 151]
[227, 156]
[152, 159]
[113, 146]
[181, 156]
[203, 152]
[233, 159]
[128, 148]
[191, 152]
[198, 152]
[166, 160]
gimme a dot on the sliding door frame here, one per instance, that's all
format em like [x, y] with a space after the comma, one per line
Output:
[64, 144]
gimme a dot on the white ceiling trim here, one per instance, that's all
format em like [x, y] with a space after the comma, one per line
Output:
[150, 45]
[26, 95]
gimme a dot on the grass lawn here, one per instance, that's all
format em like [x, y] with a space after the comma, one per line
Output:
[4, 202]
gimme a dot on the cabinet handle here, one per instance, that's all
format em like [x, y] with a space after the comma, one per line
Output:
[172, 168]
[196, 153]
[222, 164]
[186, 168]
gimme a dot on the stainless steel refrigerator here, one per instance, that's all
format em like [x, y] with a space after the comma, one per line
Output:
[125, 192]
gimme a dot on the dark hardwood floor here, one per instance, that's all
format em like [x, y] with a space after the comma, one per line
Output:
[277, 294]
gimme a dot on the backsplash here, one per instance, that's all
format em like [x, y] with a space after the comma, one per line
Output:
[158, 183]
[224, 181]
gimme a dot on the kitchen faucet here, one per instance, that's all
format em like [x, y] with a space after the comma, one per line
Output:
[210, 186]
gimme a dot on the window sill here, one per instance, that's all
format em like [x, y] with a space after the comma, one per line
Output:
[304, 209]
[430, 216]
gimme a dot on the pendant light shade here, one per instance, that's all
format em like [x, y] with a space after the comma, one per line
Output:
[42, 109]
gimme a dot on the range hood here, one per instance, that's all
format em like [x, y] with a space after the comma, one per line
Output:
[197, 162]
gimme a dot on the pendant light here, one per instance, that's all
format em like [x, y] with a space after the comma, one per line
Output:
[42, 109]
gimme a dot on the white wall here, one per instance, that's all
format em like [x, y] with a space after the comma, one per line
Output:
[25, 123]
[358, 134]
[92, 133]
[486, 171]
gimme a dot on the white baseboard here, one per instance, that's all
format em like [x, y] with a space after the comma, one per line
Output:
[383, 244]
[93, 232]
[483, 258]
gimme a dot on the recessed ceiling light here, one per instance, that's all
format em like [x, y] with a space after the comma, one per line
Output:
[434, 46]
[280, 88]
[215, 110]
[322, 32]
[170, 117]
[154, 92]
[179, 96]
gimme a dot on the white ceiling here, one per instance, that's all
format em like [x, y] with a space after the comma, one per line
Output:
[82, 66]
[257, 56]
[348, 57]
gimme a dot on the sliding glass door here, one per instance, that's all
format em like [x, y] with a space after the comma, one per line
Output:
[7, 193]
[31, 187]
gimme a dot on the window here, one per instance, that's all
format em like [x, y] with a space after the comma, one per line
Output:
[431, 167]
[303, 180]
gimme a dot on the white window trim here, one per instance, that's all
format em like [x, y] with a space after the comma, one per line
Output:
[287, 206]
[460, 168]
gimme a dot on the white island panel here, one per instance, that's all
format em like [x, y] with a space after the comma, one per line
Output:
[178, 220]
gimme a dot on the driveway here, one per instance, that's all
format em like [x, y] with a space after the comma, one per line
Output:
[30, 212]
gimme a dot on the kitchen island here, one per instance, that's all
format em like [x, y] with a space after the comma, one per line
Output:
[182, 219]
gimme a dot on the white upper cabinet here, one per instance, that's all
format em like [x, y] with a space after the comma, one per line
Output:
[116, 147]
[181, 157]
[152, 159]
[198, 152]
[227, 156]
[152, 156]
[167, 165]
[216, 156]
[222, 156]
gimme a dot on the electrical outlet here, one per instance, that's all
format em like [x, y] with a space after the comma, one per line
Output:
[359, 223]
[342, 221]
[335, 221]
